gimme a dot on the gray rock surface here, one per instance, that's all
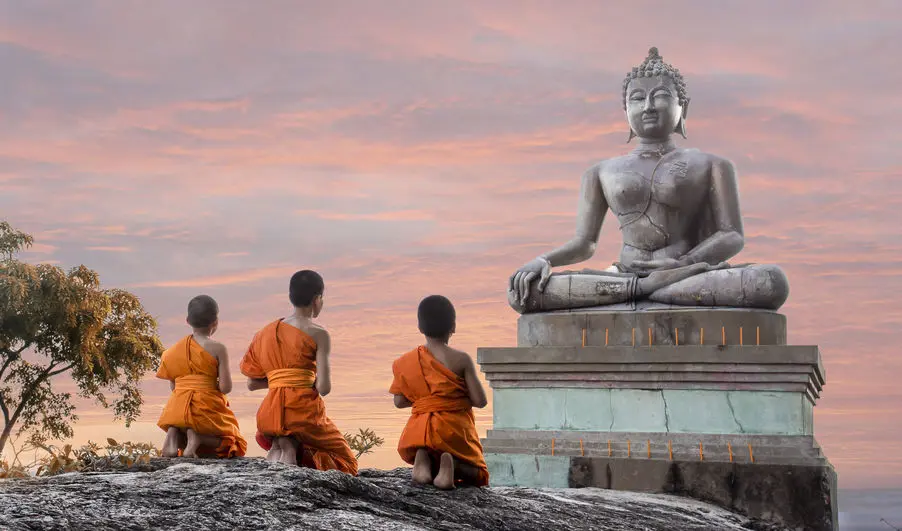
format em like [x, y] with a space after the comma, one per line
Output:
[253, 494]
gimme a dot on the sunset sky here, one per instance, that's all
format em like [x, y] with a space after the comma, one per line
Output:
[403, 148]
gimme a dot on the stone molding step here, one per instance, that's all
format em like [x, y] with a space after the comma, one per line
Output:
[679, 454]
[676, 438]
[762, 368]
[700, 447]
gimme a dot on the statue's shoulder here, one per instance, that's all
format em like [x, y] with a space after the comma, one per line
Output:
[702, 157]
[612, 162]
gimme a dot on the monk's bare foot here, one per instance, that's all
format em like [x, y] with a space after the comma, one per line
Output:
[289, 446]
[422, 468]
[445, 478]
[183, 440]
[193, 444]
[274, 453]
[171, 444]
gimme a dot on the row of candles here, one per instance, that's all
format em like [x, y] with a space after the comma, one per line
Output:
[676, 335]
[629, 449]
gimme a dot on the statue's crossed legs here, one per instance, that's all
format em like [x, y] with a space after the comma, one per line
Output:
[743, 286]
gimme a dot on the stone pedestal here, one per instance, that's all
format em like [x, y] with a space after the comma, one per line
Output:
[710, 403]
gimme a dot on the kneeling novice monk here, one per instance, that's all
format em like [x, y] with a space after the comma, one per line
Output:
[440, 383]
[197, 419]
[290, 356]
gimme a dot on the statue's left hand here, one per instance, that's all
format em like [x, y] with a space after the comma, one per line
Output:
[520, 281]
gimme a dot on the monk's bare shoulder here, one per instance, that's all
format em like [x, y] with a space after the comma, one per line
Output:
[319, 334]
[462, 361]
[215, 348]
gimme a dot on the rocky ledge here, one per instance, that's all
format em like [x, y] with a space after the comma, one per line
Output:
[253, 494]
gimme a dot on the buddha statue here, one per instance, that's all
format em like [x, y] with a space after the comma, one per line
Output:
[678, 211]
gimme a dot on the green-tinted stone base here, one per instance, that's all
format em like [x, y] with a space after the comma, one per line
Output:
[667, 410]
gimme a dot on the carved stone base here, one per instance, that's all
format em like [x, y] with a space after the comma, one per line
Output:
[620, 325]
[704, 402]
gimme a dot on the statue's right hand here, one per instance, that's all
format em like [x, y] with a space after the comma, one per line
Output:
[523, 277]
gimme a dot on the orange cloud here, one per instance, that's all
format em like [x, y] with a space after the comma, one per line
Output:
[240, 277]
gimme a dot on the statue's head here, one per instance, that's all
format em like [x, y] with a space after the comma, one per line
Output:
[655, 99]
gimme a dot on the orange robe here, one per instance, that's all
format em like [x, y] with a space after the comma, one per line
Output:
[196, 402]
[442, 417]
[286, 357]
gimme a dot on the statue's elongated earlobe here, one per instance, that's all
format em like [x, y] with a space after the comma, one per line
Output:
[681, 127]
[632, 135]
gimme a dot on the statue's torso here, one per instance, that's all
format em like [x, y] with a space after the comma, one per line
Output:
[659, 202]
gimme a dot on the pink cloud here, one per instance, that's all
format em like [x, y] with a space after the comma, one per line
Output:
[110, 249]
[401, 215]
[239, 277]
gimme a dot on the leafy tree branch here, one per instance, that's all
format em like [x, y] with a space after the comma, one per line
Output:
[55, 322]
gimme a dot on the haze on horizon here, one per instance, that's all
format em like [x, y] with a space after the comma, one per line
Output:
[403, 149]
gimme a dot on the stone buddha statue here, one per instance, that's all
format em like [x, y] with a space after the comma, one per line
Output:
[678, 211]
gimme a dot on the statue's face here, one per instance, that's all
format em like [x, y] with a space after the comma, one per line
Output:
[652, 107]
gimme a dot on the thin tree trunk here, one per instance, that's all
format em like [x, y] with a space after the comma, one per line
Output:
[25, 397]
[7, 430]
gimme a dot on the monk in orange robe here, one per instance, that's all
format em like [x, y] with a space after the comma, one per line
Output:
[441, 386]
[290, 357]
[197, 418]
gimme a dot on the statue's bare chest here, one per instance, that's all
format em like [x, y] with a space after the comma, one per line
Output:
[651, 186]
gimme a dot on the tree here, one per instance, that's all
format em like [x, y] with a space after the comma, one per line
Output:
[54, 322]
[364, 442]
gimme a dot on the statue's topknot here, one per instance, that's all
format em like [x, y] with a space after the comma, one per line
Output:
[654, 65]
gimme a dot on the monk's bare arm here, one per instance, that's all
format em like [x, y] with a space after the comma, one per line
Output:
[401, 402]
[589, 216]
[250, 367]
[254, 384]
[724, 200]
[474, 386]
[323, 371]
[225, 372]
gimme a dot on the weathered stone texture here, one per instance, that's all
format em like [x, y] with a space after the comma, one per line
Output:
[253, 494]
